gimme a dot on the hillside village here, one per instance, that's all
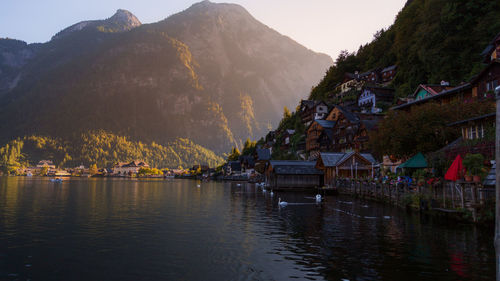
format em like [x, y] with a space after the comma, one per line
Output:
[325, 140]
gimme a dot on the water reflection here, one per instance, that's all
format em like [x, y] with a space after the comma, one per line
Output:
[115, 229]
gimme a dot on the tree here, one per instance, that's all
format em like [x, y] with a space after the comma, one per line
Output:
[93, 169]
[234, 155]
[286, 113]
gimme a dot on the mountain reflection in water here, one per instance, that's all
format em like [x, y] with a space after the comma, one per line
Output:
[116, 229]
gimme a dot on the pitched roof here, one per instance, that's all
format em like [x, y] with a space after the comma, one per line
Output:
[491, 178]
[462, 87]
[473, 119]
[353, 118]
[326, 123]
[485, 70]
[332, 159]
[311, 103]
[389, 68]
[489, 48]
[295, 167]
[431, 89]
[417, 161]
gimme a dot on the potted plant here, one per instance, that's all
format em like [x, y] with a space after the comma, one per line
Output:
[473, 163]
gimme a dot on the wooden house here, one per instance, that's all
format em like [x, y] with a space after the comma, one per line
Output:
[371, 76]
[314, 132]
[492, 51]
[484, 84]
[387, 74]
[287, 137]
[247, 163]
[477, 127]
[461, 92]
[261, 157]
[427, 90]
[346, 165]
[282, 175]
[311, 110]
[350, 132]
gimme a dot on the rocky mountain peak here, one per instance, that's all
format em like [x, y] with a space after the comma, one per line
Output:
[125, 18]
[122, 20]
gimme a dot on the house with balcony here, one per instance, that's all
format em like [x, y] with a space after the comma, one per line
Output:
[372, 96]
[387, 74]
[314, 132]
[346, 165]
[484, 84]
[311, 110]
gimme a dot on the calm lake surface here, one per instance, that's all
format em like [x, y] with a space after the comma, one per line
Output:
[116, 229]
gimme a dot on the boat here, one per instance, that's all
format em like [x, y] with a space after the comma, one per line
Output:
[56, 180]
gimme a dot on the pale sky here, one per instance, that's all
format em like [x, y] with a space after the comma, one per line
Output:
[326, 26]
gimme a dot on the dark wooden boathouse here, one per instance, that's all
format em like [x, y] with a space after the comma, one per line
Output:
[293, 175]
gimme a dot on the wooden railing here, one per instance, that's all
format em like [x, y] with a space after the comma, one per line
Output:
[444, 197]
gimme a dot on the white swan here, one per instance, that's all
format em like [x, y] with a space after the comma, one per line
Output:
[272, 193]
[238, 184]
[198, 185]
[282, 203]
[264, 190]
[318, 198]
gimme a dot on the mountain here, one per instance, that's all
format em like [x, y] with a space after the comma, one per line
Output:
[430, 41]
[122, 20]
[211, 74]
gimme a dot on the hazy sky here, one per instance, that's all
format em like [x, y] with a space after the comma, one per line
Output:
[327, 26]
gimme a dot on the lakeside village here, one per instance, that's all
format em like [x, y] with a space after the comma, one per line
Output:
[336, 143]
[331, 145]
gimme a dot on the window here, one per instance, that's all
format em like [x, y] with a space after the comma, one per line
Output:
[472, 133]
[491, 85]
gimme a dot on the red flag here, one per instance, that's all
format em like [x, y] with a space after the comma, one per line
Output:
[456, 170]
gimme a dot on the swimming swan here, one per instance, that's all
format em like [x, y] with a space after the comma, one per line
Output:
[318, 198]
[282, 203]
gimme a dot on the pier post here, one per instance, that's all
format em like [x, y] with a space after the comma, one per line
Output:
[497, 184]
[462, 195]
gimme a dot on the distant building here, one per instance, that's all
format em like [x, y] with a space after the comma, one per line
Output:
[46, 163]
[232, 168]
[287, 135]
[128, 168]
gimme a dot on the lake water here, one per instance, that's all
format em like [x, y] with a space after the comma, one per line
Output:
[116, 229]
